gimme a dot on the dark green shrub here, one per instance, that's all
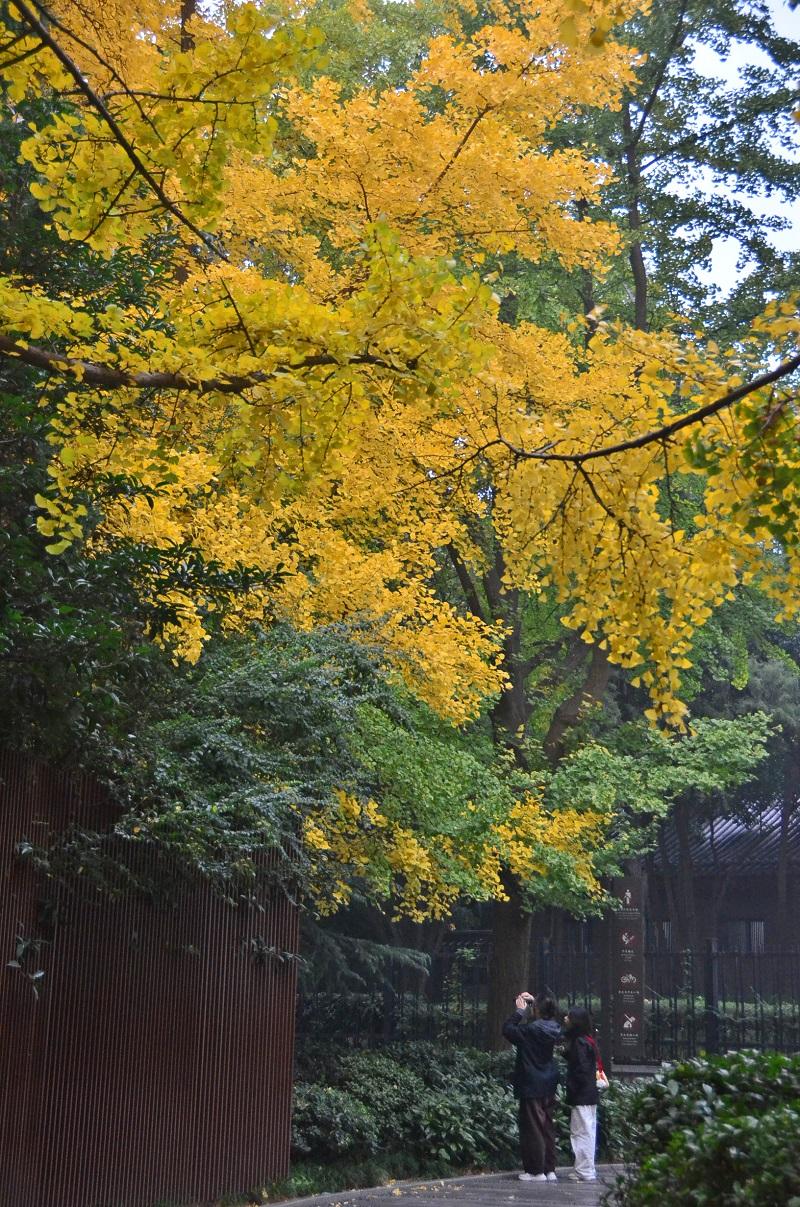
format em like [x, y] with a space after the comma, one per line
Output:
[727, 1161]
[329, 1123]
[453, 1105]
[613, 1121]
[718, 1131]
[410, 1105]
[386, 1086]
[438, 1064]
[471, 1125]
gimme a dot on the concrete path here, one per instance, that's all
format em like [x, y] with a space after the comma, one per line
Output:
[482, 1190]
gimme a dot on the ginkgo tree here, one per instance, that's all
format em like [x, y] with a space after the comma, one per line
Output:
[321, 386]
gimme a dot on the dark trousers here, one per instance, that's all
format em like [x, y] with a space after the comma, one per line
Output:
[537, 1137]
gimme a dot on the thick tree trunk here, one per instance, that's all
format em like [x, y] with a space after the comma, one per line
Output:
[509, 963]
[571, 710]
[509, 966]
[188, 10]
[510, 717]
[509, 960]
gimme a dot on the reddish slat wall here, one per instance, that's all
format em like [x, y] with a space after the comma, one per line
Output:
[144, 1073]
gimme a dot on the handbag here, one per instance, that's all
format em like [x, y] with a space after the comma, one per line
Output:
[601, 1077]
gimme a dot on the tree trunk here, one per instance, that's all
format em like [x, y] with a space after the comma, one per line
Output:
[588, 300]
[687, 918]
[509, 966]
[786, 930]
[635, 254]
[188, 10]
[509, 962]
[571, 710]
[510, 716]
[509, 959]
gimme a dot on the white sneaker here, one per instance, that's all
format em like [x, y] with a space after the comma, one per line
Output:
[551, 1177]
[532, 1177]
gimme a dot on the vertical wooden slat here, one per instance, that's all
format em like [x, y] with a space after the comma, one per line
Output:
[144, 1072]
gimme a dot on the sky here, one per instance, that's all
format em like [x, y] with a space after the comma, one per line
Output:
[724, 271]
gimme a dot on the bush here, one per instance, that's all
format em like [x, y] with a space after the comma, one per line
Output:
[719, 1130]
[470, 1125]
[387, 1087]
[452, 1105]
[329, 1123]
[613, 1120]
[414, 1109]
[427, 1102]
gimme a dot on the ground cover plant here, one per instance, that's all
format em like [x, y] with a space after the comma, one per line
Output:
[718, 1130]
[413, 1109]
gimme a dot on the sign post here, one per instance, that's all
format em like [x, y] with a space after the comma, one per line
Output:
[628, 970]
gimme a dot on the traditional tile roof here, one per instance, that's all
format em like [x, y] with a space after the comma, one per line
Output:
[740, 848]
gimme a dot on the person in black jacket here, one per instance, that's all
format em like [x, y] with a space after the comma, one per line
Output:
[534, 1032]
[582, 1095]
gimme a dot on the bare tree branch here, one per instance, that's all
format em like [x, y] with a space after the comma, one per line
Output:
[669, 429]
[467, 584]
[109, 378]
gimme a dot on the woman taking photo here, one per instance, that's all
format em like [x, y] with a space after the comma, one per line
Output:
[534, 1032]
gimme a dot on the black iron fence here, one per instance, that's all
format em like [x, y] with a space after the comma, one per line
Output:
[446, 1006]
[708, 1001]
[714, 1001]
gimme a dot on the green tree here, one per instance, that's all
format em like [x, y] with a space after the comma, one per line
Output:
[690, 150]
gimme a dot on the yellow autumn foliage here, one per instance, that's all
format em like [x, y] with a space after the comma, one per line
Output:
[322, 386]
[420, 875]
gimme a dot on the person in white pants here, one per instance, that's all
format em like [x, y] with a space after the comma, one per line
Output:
[582, 1093]
[583, 1138]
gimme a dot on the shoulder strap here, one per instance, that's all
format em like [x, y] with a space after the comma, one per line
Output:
[593, 1042]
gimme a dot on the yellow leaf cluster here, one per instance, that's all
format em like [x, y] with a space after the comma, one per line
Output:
[422, 875]
[323, 383]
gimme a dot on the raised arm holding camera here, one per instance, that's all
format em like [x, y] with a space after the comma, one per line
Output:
[534, 1031]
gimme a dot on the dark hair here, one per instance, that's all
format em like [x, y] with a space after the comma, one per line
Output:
[579, 1021]
[546, 1005]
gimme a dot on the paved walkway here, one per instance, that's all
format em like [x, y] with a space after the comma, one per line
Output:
[482, 1190]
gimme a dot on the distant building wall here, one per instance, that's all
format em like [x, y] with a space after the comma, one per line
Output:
[156, 1064]
[739, 911]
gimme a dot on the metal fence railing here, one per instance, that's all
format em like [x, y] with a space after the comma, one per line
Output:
[715, 1001]
[706, 1001]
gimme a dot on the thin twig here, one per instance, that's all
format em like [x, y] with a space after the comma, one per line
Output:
[119, 134]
